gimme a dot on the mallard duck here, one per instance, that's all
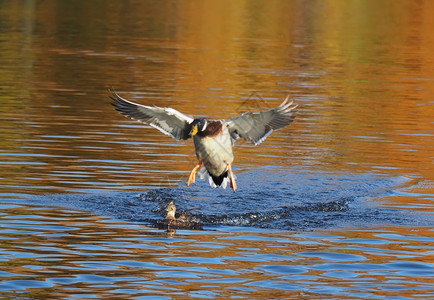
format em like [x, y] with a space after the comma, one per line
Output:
[213, 138]
[180, 220]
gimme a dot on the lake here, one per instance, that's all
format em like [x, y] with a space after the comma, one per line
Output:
[337, 205]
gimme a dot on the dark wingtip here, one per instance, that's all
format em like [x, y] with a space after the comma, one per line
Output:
[116, 100]
[113, 95]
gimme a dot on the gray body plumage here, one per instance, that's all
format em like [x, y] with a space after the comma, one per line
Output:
[215, 152]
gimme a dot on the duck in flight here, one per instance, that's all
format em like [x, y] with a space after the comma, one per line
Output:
[213, 138]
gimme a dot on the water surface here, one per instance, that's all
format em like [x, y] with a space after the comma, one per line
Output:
[338, 205]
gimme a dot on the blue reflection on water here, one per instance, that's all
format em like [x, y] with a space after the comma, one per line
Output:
[279, 199]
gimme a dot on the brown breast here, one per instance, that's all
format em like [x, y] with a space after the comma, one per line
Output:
[213, 128]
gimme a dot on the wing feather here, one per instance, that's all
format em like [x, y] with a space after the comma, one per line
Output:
[167, 120]
[257, 126]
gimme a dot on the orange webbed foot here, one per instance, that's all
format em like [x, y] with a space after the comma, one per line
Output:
[192, 177]
[232, 178]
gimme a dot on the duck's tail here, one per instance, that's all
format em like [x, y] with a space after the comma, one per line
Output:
[219, 181]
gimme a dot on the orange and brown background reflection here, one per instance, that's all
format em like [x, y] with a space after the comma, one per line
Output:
[361, 72]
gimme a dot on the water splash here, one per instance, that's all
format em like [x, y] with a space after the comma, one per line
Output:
[282, 199]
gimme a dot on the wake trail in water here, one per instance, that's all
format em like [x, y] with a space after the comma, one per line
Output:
[267, 198]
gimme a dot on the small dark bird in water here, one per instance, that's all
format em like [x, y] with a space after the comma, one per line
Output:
[182, 219]
[213, 139]
[171, 211]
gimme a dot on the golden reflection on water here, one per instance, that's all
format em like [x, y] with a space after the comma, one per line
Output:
[360, 70]
[364, 84]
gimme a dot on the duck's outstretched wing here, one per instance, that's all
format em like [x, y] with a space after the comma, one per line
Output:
[168, 120]
[256, 126]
